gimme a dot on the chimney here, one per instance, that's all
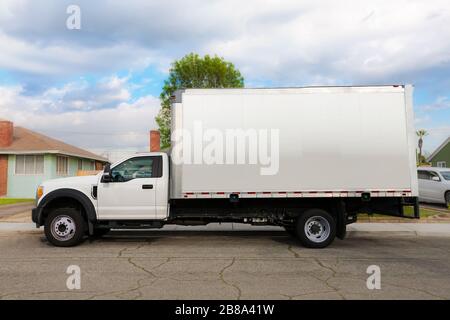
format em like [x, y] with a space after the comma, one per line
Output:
[6, 133]
[155, 138]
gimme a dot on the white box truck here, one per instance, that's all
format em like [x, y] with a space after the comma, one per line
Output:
[307, 159]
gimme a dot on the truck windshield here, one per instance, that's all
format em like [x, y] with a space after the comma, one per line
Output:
[446, 175]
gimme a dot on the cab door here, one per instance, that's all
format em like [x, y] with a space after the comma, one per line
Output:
[131, 195]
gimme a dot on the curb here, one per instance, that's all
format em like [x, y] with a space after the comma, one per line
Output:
[358, 233]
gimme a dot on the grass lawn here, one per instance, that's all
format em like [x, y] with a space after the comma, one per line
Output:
[424, 213]
[4, 201]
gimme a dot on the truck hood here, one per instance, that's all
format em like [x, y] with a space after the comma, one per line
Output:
[72, 181]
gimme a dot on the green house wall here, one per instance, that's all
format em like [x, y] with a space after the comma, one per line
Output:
[25, 185]
[442, 155]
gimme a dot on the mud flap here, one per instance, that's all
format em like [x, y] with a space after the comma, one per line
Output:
[90, 228]
[341, 221]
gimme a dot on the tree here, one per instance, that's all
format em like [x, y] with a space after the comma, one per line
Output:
[421, 134]
[193, 71]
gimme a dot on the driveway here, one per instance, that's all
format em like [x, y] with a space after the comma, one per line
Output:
[12, 209]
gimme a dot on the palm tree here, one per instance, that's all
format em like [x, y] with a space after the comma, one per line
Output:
[421, 134]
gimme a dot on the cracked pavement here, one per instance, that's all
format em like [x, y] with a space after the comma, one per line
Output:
[224, 265]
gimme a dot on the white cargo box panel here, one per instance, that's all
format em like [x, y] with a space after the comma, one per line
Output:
[338, 141]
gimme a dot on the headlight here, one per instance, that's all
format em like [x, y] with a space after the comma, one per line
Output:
[39, 192]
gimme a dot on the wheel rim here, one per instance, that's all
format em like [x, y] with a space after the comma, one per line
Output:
[317, 229]
[63, 228]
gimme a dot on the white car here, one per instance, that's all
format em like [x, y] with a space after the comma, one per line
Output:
[434, 185]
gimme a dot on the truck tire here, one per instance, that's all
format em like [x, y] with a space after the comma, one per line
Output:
[447, 199]
[316, 228]
[65, 227]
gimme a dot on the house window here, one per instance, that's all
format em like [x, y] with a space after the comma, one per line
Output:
[441, 164]
[62, 165]
[29, 164]
[80, 164]
[89, 165]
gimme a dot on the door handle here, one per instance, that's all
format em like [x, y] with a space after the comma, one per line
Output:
[147, 186]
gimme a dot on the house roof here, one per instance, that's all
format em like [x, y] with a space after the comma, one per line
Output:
[26, 141]
[438, 149]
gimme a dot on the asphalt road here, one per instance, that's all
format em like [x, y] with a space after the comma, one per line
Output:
[224, 265]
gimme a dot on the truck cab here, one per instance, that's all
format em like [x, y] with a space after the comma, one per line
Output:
[135, 188]
[132, 189]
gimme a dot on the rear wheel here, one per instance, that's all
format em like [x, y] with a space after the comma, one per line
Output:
[316, 228]
[447, 198]
[65, 227]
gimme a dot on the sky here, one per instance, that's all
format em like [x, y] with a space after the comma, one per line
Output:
[98, 86]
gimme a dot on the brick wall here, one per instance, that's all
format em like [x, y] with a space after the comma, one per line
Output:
[6, 133]
[154, 141]
[3, 175]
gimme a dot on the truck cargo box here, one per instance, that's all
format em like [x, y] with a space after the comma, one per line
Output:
[298, 142]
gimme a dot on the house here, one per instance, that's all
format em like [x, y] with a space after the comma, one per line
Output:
[27, 158]
[441, 156]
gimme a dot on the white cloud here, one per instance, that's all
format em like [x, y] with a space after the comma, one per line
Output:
[122, 126]
[350, 41]
[421, 119]
[81, 95]
[288, 42]
[285, 43]
[62, 60]
[441, 103]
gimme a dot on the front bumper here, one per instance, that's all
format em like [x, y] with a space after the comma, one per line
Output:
[36, 216]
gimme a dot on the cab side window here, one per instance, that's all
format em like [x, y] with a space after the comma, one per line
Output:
[137, 168]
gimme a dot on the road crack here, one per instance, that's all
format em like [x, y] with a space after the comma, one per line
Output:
[222, 277]
[327, 280]
[290, 249]
[415, 289]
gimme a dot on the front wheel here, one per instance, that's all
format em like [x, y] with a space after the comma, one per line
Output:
[64, 227]
[447, 199]
[316, 228]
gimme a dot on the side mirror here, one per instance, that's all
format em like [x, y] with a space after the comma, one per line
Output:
[434, 178]
[107, 177]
